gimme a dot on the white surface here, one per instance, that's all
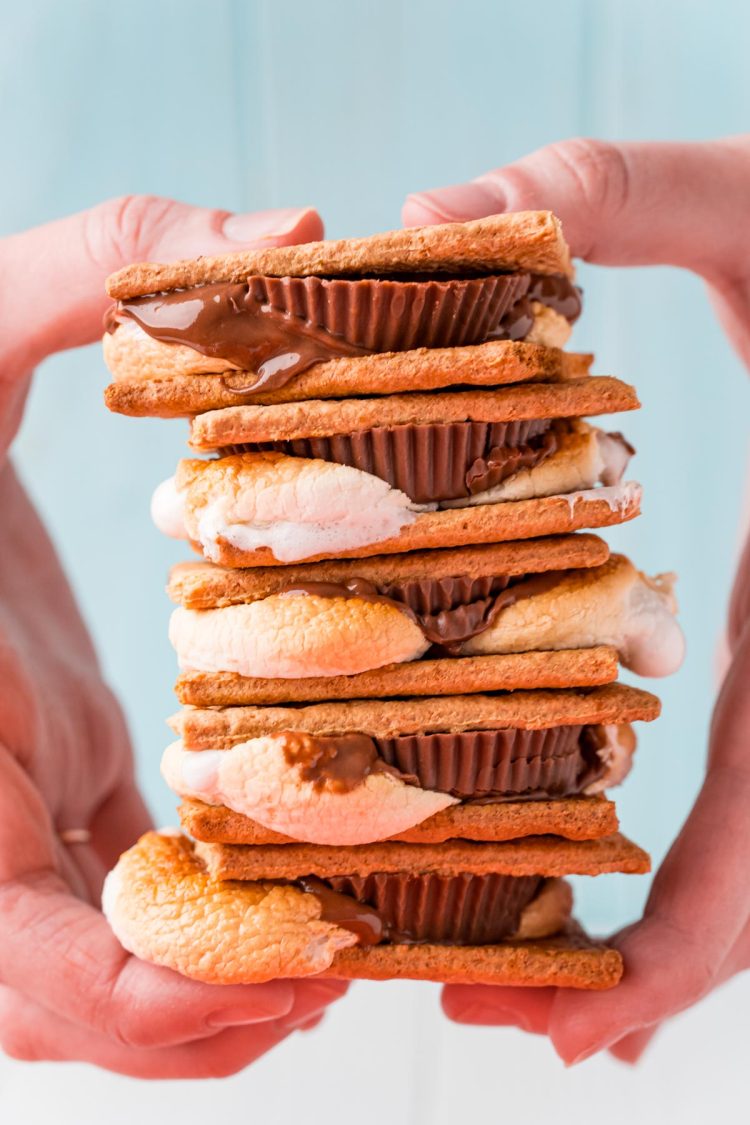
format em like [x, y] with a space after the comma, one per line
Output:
[386, 1056]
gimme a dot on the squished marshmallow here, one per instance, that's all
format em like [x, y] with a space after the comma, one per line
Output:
[164, 908]
[653, 643]
[168, 509]
[296, 507]
[616, 751]
[619, 497]
[255, 779]
[613, 605]
[295, 635]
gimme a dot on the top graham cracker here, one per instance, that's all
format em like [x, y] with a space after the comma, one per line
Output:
[519, 240]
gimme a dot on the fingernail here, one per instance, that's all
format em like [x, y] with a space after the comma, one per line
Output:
[458, 202]
[258, 225]
[587, 1054]
[265, 1002]
[491, 1015]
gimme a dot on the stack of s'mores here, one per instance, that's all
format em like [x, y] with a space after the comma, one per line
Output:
[399, 651]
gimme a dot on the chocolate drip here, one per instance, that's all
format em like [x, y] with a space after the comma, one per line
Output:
[278, 327]
[435, 461]
[456, 910]
[449, 611]
[338, 763]
[345, 911]
[232, 322]
[503, 461]
[556, 293]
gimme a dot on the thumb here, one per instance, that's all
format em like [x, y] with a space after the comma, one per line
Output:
[52, 277]
[620, 204]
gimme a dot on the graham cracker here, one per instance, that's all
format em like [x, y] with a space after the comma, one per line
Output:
[197, 585]
[565, 668]
[570, 960]
[219, 728]
[596, 394]
[532, 855]
[574, 818]
[494, 363]
[484, 523]
[521, 240]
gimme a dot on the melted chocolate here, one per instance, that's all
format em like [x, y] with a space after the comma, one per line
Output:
[229, 322]
[278, 327]
[339, 763]
[463, 607]
[503, 461]
[557, 293]
[345, 911]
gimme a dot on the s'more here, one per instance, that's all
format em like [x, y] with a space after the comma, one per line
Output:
[400, 642]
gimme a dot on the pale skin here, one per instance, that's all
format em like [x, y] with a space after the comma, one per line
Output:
[623, 205]
[69, 991]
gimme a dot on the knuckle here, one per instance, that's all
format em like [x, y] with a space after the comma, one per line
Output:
[121, 229]
[127, 1029]
[599, 168]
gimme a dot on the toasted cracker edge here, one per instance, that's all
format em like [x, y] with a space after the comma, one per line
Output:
[222, 727]
[568, 961]
[515, 240]
[496, 363]
[201, 585]
[596, 394]
[567, 668]
[531, 855]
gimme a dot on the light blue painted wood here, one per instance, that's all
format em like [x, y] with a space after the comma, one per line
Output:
[349, 105]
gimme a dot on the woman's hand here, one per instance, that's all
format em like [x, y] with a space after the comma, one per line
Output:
[648, 204]
[69, 991]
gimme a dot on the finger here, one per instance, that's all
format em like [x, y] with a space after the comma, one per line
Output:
[52, 289]
[60, 951]
[119, 822]
[697, 913]
[487, 1005]
[31, 1033]
[620, 204]
[630, 1048]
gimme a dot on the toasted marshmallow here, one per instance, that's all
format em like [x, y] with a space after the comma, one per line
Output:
[623, 608]
[130, 353]
[616, 754]
[168, 509]
[549, 328]
[163, 907]
[295, 635]
[254, 778]
[298, 508]
[547, 913]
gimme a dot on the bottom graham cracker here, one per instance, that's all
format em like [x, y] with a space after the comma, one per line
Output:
[570, 960]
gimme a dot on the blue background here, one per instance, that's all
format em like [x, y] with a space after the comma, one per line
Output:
[348, 106]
